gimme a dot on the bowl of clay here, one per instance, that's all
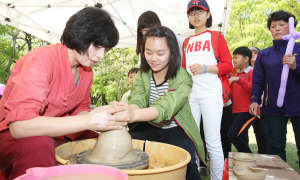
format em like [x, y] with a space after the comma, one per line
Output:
[248, 172]
[244, 161]
[243, 155]
[74, 172]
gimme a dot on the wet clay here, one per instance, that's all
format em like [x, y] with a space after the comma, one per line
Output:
[80, 176]
[113, 147]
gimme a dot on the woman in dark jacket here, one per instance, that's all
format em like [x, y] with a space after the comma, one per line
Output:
[267, 78]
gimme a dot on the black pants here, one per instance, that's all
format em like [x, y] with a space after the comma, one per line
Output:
[175, 136]
[225, 127]
[241, 142]
[278, 130]
[203, 139]
[262, 136]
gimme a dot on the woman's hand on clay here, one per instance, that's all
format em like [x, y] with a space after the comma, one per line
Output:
[126, 114]
[233, 79]
[290, 60]
[253, 108]
[197, 69]
[101, 118]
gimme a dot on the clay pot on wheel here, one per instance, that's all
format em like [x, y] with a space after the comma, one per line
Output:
[111, 146]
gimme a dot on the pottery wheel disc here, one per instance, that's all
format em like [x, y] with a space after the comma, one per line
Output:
[139, 163]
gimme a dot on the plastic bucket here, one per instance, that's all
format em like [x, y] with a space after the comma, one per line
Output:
[43, 173]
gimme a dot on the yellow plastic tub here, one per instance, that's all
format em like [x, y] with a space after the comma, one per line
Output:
[165, 161]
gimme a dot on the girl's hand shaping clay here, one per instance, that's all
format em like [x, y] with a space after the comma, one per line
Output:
[101, 118]
[125, 114]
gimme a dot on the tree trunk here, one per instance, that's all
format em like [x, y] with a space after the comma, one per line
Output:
[28, 39]
[12, 54]
[104, 102]
[120, 96]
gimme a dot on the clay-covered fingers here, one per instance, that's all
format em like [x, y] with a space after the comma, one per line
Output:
[113, 102]
[114, 124]
[123, 119]
[101, 108]
[104, 121]
[115, 109]
[121, 103]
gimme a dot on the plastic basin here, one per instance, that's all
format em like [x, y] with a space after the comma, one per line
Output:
[43, 173]
[165, 161]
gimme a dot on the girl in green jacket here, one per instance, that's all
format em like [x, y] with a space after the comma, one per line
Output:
[159, 98]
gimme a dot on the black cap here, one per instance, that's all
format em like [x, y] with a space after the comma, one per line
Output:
[197, 3]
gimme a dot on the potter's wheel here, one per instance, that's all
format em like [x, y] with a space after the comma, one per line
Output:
[140, 161]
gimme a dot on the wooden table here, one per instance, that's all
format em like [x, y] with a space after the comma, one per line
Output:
[277, 169]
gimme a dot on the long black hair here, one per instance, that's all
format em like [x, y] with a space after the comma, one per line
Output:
[171, 40]
[90, 25]
[146, 20]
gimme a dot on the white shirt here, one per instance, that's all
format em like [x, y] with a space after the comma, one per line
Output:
[200, 50]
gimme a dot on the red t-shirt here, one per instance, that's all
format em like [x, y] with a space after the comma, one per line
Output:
[42, 84]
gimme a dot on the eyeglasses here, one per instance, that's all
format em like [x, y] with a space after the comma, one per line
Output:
[192, 13]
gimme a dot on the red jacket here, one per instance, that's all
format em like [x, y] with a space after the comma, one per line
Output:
[42, 84]
[240, 91]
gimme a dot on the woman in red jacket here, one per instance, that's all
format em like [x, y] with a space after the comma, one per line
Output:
[46, 101]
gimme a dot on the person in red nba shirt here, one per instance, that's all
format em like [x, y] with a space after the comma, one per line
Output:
[206, 94]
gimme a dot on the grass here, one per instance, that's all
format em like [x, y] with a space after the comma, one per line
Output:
[291, 150]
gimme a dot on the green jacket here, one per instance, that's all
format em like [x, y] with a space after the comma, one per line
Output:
[173, 103]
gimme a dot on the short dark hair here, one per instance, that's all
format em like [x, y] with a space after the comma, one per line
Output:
[171, 40]
[133, 70]
[280, 15]
[243, 51]
[90, 25]
[208, 22]
[146, 20]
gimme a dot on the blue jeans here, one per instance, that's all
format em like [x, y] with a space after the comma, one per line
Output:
[175, 136]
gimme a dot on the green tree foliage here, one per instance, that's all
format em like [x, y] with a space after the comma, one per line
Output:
[110, 75]
[24, 43]
[248, 21]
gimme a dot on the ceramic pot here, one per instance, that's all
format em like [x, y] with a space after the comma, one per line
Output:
[249, 173]
[244, 162]
[243, 155]
[111, 146]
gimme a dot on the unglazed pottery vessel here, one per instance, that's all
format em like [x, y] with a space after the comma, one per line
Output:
[112, 146]
[243, 155]
[244, 161]
[249, 173]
